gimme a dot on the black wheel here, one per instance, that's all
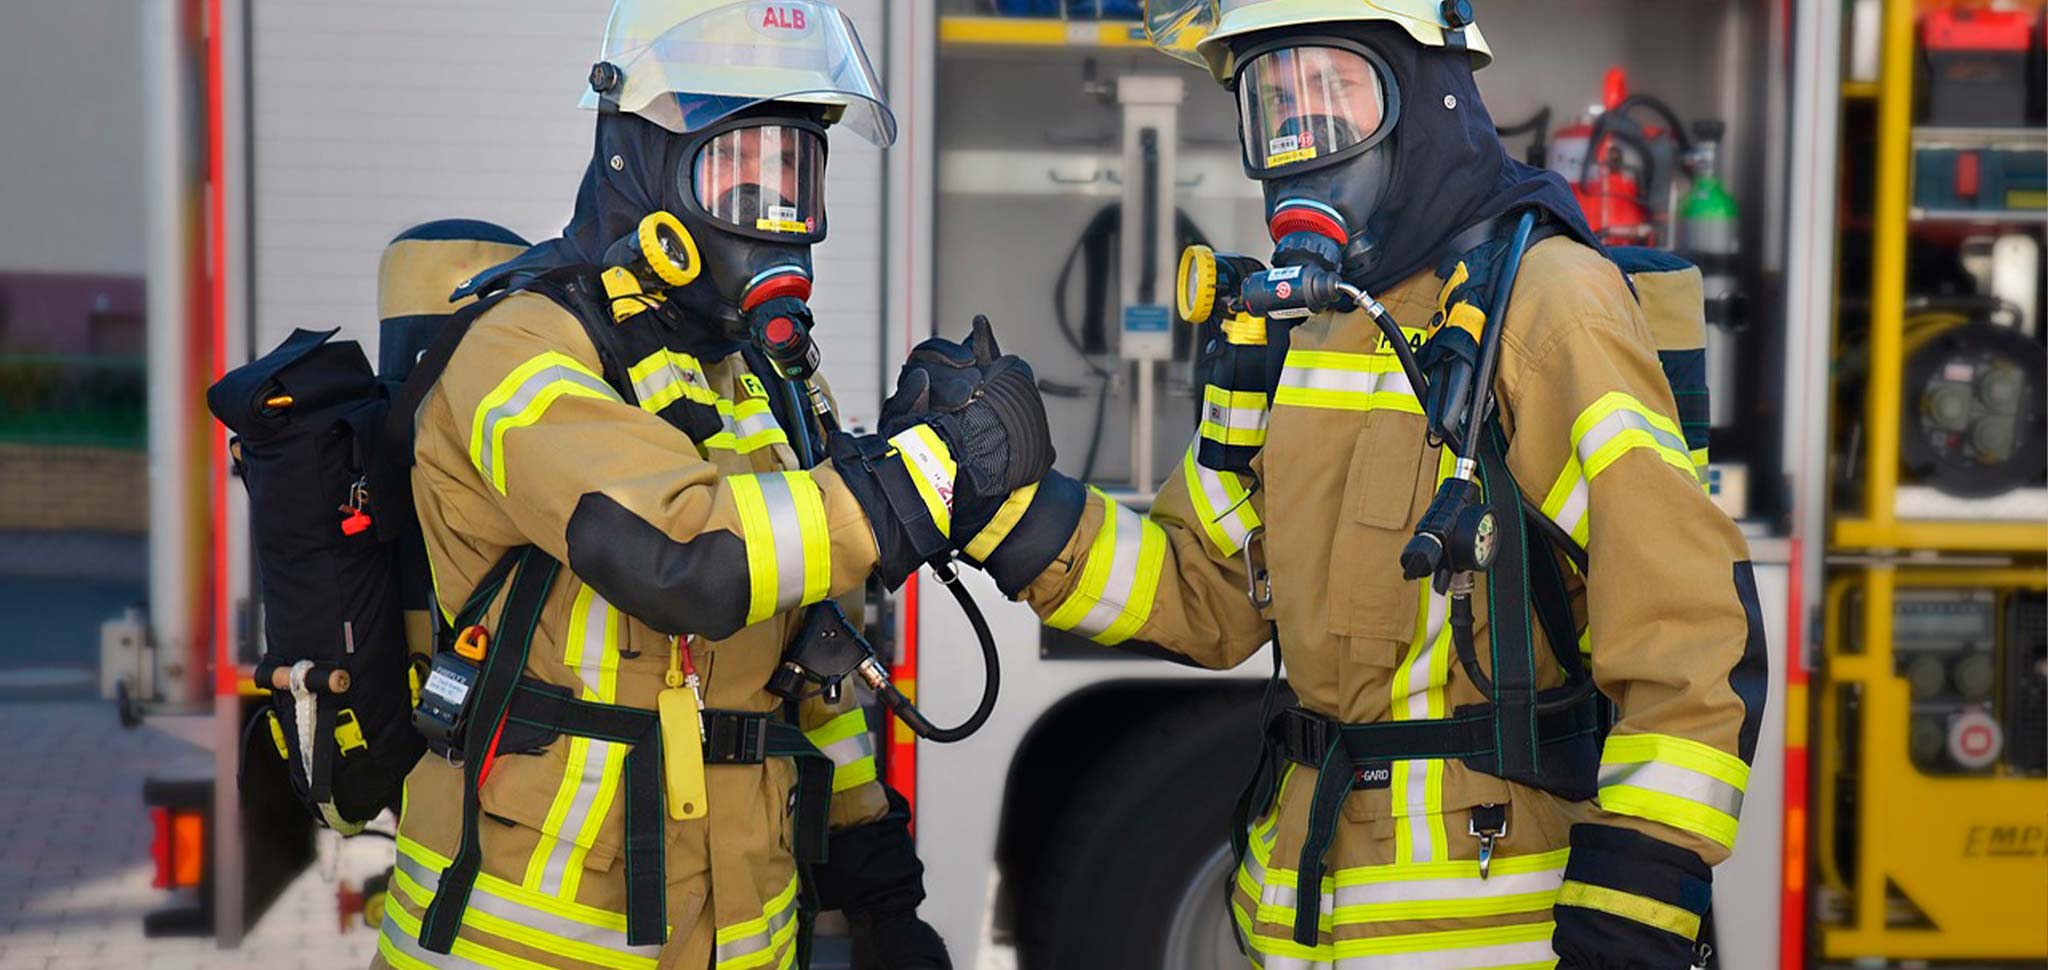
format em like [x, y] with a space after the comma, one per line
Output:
[1134, 873]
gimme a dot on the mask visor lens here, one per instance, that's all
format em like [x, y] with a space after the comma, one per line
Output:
[1299, 104]
[764, 179]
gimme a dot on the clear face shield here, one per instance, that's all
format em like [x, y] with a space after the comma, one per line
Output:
[1306, 106]
[687, 71]
[766, 181]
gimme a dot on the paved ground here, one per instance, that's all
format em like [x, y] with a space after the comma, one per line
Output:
[75, 866]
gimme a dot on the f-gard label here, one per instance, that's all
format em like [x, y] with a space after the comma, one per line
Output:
[1371, 777]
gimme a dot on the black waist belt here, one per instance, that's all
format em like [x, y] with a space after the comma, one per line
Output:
[1567, 728]
[539, 712]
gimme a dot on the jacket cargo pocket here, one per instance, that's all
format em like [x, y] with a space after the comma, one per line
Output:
[1368, 597]
[571, 794]
[1462, 790]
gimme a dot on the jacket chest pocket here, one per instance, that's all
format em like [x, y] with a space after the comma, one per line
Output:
[1387, 483]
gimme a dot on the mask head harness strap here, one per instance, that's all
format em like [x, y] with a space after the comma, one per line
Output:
[1457, 16]
[605, 80]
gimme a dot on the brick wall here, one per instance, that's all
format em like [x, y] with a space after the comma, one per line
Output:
[94, 489]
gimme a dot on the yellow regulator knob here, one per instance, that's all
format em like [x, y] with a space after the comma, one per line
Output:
[1195, 291]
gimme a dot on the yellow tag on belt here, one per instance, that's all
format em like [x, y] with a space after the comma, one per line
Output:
[682, 754]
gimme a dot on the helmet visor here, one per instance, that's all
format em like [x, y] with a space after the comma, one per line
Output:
[763, 180]
[686, 76]
[1300, 105]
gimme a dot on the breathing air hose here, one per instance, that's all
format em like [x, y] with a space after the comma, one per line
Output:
[785, 340]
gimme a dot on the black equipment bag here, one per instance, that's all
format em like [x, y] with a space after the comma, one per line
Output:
[308, 420]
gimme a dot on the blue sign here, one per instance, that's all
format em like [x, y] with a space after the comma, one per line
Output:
[1147, 318]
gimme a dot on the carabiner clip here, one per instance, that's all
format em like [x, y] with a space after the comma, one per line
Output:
[1258, 583]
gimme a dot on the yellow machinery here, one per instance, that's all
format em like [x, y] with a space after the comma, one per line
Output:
[1934, 852]
[1930, 806]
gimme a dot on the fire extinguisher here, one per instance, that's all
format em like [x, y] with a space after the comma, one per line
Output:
[1619, 167]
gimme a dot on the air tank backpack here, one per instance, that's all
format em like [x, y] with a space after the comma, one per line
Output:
[345, 602]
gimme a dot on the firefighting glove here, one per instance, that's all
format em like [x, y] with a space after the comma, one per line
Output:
[1629, 902]
[986, 407]
[873, 875]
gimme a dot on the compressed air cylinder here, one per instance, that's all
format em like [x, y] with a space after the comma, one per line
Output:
[1234, 396]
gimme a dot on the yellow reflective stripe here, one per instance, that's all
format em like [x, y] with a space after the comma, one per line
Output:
[1683, 752]
[1679, 813]
[1235, 437]
[482, 914]
[1338, 381]
[1629, 906]
[853, 774]
[1676, 781]
[759, 537]
[1610, 427]
[665, 377]
[852, 724]
[1233, 417]
[1403, 892]
[932, 468]
[1418, 693]
[1119, 578]
[503, 909]
[756, 941]
[590, 778]
[406, 953]
[520, 399]
[1494, 946]
[1007, 516]
[789, 545]
[845, 739]
[1222, 504]
[749, 426]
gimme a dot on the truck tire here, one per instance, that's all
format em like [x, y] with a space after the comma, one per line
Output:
[1136, 866]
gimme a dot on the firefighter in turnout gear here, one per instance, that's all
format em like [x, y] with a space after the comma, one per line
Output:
[628, 513]
[1527, 759]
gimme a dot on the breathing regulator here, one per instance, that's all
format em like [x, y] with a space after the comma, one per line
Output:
[661, 255]
[1453, 376]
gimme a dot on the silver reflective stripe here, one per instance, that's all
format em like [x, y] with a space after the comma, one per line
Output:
[1574, 509]
[1352, 381]
[1462, 958]
[762, 422]
[597, 754]
[755, 943]
[1676, 781]
[1446, 890]
[1123, 575]
[1238, 418]
[484, 901]
[1604, 430]
[666, 384]
[788, 540]
[850, 750]
[522, 398]
[404, 942]
[1421, 679]
[1223, 510]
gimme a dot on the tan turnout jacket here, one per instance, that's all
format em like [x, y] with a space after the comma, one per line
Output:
[522, 442]
[1344, 477]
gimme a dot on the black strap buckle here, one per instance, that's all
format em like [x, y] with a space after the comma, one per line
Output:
[735, 737]
[1305, 736]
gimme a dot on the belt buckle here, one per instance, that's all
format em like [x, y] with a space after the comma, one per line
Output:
[1313, 732]
[737, 738]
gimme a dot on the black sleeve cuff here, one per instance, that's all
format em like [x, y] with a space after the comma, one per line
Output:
[1629, 901]
[1039, 535]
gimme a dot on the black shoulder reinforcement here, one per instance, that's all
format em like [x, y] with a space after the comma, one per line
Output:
[698, 587]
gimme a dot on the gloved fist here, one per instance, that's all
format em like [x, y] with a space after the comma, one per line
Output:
[985, 405]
